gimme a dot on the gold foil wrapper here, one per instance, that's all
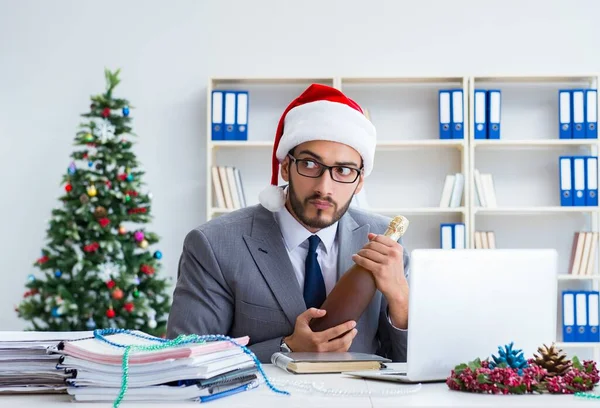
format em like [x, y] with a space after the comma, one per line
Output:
[397, 228]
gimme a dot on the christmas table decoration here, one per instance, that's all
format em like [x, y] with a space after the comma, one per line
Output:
[548, 371]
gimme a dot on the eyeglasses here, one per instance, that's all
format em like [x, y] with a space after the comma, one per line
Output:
[313, 169]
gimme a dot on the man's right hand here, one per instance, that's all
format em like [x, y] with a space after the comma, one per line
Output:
[304, 339]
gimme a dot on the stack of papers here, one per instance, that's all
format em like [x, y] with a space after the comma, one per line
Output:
[27, 367]
[195, 372]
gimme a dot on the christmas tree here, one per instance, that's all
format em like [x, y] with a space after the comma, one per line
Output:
[98, 268]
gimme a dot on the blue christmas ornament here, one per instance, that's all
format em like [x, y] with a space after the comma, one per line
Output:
[58, 274]
[90, 163]
[129, 177]
[158, 255]
[90, 324]
[55, 312]
[126, 111]
[31, 278]
[72, 168]
[508, 357]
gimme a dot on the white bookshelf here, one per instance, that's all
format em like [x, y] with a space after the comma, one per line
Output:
[524, 165]
[411, 161]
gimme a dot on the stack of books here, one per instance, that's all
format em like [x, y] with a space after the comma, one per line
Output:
[185, 372]
[27, 367]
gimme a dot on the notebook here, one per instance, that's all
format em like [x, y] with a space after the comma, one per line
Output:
[332, 362]
[97, 351]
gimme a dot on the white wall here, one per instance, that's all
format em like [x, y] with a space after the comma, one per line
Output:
[52, 56]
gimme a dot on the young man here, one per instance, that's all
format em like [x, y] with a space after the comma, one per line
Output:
[263, 271]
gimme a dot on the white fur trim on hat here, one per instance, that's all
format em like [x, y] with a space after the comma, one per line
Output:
[332, 121]
[272, 198]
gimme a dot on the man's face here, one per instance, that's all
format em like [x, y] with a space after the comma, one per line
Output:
[318, 202]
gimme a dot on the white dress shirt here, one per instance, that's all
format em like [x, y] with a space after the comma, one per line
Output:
[295, 236]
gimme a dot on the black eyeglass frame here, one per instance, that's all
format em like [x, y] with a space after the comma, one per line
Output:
[326, 167]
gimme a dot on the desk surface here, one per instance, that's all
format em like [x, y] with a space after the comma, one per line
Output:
[429, 395]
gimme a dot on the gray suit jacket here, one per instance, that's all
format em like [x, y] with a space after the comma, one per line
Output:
[236, 279]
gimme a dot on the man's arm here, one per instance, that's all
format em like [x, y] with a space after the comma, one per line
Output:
[203, 302]
[393, 340]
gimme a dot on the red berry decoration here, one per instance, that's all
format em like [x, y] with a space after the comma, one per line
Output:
[509, 373]
[106, 112]
[129, 307]
[110, 284]
[110, 313]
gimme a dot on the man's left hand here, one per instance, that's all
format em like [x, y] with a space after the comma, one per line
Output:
[383, 257]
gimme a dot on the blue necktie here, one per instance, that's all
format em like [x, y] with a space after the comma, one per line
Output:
[314, 285]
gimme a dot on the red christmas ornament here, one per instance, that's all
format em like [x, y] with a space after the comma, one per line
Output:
[122, 177]
[110, 284]
[43, 259]
[117, 294]
[110, 313]
[106, 112]
[68, 188]
[137, 210]
[132, 193]
[108, 184]
[147, 269]
[104, 221]
[91, 247]
[129, 307]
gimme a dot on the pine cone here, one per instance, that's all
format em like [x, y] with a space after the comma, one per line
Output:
[100, 212]
[553, 359]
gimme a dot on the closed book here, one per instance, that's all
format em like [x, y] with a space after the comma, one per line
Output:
[327, 362]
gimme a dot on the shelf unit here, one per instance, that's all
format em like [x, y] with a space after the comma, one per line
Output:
[524, 163]
[412, 162]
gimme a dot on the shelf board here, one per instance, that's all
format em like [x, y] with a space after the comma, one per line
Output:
[534, 142]
[400, 80]
[578, 277]
[406, 210]
[418, 210]
[391, 144]
[269, 81]
[535, 78]
[577, 345]
[239, 143]
[532, 210]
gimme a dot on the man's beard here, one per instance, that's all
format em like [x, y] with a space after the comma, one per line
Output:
[299, 209]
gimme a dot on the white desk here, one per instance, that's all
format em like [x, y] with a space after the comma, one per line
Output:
[430, 395]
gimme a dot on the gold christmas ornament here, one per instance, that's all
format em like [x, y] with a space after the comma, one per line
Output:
[553, 359]
[122, 230]
[92, 191]
[144, 244]
[100, 212]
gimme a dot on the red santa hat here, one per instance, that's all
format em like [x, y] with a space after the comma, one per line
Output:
[319, 113]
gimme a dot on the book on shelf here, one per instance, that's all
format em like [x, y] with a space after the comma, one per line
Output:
[485, 240]
[228, 187]
[583, 253]
[452, 192]
[485, 192]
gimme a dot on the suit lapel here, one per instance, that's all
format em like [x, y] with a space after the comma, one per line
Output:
[268, 251]
[352, 237]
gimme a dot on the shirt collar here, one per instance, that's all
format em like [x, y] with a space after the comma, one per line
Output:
[294, 233]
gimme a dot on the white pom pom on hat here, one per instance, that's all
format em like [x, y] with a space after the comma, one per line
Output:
[319, 113]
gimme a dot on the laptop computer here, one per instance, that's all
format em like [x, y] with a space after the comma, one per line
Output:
[465, 303]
